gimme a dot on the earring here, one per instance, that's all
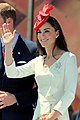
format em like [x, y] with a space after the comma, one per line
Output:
[56, 36]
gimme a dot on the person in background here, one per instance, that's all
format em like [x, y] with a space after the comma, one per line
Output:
[55, 68]
[17, 97]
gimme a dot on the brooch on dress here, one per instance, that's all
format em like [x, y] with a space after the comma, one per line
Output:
[58, 65]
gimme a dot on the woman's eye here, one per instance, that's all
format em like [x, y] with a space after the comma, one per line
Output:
[38, 32]
[47, 31]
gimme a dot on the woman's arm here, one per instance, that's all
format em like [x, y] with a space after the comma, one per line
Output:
[70, 83]
[11, 70]
[8, 54]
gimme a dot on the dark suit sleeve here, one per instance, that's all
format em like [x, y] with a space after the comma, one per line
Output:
[27, 98]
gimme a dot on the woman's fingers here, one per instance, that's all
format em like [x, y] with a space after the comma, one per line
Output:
[7, 35]
[5, 28]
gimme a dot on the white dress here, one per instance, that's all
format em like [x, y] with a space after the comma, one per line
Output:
[56, 84]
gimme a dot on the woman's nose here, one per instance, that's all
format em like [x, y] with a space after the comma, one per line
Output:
[43, 34]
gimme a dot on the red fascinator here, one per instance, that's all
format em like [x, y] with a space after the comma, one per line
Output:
[42, 16]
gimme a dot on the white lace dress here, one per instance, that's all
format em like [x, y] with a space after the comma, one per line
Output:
[56, 84]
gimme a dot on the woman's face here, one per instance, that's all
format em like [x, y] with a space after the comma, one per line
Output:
[47, 35]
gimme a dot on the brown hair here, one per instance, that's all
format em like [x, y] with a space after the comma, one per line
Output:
[7, 11]
[60, 40]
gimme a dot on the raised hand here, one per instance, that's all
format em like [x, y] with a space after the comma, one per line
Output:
[7, 35]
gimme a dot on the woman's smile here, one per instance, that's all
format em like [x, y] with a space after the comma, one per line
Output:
[44, 40]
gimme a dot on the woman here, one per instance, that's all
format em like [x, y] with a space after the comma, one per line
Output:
[55, 68]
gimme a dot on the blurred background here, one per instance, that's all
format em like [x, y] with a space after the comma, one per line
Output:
[67, 13]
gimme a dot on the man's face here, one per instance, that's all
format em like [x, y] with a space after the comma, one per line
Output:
[1, 22]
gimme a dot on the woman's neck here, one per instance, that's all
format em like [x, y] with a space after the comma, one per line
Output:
[53, 52]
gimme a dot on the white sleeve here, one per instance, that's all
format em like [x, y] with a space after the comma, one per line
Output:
[70, 83]
[20, 71]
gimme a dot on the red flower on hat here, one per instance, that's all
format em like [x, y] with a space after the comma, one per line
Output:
[42, 16]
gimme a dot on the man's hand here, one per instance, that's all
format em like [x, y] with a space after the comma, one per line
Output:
[6, 99]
